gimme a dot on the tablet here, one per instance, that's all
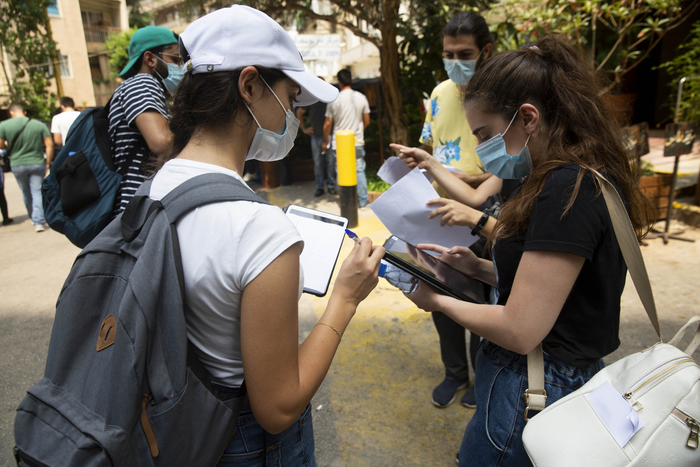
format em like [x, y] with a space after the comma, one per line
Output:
[323, 235]
[428, 268]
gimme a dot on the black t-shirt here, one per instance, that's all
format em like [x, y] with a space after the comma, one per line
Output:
[587, 327]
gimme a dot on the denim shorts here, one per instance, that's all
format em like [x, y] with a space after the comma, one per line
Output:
[494, 435]
[294, 447]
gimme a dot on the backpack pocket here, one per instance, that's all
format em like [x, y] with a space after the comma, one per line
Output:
[191, 428]
[54, 428]
[79, 187]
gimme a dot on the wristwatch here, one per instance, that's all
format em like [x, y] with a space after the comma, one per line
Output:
[480, 225]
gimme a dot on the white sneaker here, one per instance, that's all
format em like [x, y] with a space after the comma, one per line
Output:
[39, 228]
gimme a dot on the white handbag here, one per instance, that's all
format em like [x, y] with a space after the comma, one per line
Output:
[661, 384]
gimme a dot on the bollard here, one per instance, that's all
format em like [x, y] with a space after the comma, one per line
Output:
[347, 175]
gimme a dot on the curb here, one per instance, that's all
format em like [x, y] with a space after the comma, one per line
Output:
[687, 213]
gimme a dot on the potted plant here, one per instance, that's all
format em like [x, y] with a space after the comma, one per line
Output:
[614, 35]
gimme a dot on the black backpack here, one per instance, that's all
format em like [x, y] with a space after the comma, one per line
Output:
[122, 385]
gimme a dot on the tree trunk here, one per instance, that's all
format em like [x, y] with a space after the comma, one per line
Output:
[390, 72]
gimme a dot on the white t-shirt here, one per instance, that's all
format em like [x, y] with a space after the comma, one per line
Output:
[224, 247]
[61, 123]
[347, 112]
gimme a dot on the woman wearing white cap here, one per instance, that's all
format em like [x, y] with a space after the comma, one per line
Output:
[243, 75]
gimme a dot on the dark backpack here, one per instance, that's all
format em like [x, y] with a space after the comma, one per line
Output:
[80, 192]
[122, 385]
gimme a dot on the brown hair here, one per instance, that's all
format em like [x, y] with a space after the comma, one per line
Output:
[552, 77]
[206, 100]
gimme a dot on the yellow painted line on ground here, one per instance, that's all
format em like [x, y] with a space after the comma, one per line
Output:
[382, 379]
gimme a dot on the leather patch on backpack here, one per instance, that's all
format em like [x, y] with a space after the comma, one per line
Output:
[108, 332]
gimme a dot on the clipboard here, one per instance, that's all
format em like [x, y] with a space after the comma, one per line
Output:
[323, 235]
[446, 279]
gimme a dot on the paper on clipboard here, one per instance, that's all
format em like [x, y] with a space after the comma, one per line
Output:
[403, 210]
[323, 235]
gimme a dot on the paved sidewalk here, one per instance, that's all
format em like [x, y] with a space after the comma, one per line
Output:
[374, 407]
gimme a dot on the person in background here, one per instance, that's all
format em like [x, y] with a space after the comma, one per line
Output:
[349, 112]
[28, 141]
[61, 123]
[6, 219]
[467, 43]
[138, 114]
[557, 266]
[316, 114]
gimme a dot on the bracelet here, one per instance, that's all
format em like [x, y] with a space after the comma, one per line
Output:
[332, 327]
[480, 225]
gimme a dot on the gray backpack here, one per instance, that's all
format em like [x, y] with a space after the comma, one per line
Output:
[122, 385]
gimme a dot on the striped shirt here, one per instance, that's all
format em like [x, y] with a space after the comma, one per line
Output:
[133, 97]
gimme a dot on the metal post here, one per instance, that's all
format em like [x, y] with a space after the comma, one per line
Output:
[347, 175]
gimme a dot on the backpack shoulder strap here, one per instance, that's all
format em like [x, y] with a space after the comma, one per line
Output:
[206, 189]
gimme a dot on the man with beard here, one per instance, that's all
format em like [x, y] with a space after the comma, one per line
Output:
[138, 114]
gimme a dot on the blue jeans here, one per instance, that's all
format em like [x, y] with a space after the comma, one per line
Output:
[30, 178]
[294, 447]
[316, 147]
[360, 166]
[494, 435]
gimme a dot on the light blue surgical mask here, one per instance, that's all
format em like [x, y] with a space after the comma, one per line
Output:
[174, 77]
[268, 146]
[460, 71]
[497, 161]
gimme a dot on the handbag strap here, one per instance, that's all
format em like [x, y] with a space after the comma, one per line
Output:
[14, 140]
[535, 395]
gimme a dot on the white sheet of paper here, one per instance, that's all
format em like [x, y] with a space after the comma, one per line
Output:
[322, 242]
[617, 414]
[393, 170]
[403, 210]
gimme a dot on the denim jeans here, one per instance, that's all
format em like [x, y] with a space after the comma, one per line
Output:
[494, 435]
[294, 447]
[30, 178]
[316, 147]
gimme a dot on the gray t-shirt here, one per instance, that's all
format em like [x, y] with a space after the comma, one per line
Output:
[347, 112]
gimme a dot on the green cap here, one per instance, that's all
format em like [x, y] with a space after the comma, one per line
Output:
[145, 39]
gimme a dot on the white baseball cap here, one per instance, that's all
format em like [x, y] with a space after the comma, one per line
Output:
[239, 36]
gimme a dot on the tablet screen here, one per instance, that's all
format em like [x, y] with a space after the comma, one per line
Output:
[427, 267]
[323, 235]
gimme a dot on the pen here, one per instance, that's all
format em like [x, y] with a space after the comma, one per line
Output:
[352, 235]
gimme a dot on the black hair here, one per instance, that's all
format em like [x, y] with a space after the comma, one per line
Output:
[344, 77]
[207, 100]
[67, 102]
[469, 22]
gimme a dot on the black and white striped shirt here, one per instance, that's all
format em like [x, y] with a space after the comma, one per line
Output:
[133, 97]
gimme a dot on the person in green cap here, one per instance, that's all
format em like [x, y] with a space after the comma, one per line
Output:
[138, 114]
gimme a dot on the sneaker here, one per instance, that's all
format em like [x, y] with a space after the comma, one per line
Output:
[331, 191]
[457, 458]
[8, 221]
[319, 192]
[469, 398]
[39, 228]
[444, 393]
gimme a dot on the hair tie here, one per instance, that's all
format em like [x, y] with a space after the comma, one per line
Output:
[534, 47]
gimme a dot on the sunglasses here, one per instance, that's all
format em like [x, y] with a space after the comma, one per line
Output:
[177, 58]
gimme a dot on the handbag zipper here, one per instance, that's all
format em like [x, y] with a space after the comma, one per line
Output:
[694, 425]
[644, 381]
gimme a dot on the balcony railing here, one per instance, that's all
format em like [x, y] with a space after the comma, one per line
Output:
[99, 33]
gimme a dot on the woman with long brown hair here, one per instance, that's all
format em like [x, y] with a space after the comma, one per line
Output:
[557, 268]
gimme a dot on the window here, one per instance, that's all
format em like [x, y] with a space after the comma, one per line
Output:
[53, 8]
[91, 18]
[63, 64]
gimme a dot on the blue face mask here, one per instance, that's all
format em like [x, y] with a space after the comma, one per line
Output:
[174, 77]
[497, 161]
[460, 71]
